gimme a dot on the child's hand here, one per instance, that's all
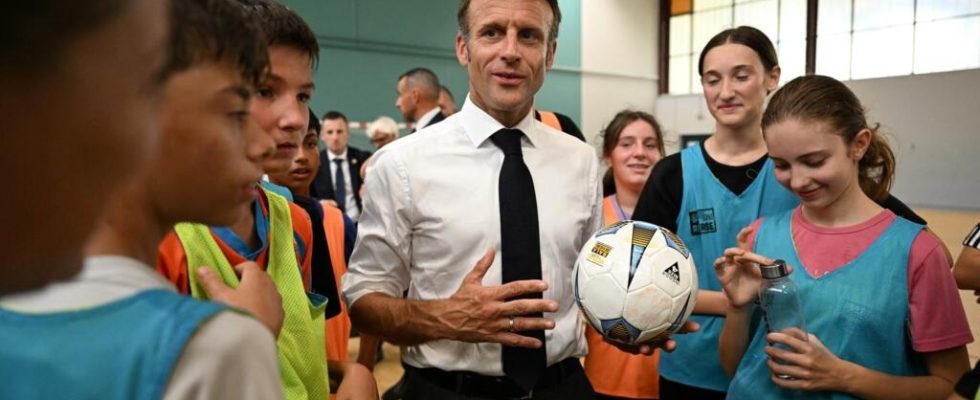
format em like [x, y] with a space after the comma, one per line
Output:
[742, 239]
[357, 383]
[256, 294]
[738, 273]
[667, 345]
[809, 363]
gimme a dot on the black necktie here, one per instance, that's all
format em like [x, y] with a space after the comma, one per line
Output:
[520, 249]
[340, 184]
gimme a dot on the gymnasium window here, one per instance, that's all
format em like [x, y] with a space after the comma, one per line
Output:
[855, 39]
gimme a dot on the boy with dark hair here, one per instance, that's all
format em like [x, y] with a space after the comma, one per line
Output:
[97, 65]
[333, 240]
[118, 330]
[276, 234]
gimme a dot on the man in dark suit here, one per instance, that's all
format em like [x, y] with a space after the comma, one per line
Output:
[339, 177]
[447, 102]
[418, 97]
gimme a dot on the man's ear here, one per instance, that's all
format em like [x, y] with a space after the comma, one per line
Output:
[462, 51]
[550, 56]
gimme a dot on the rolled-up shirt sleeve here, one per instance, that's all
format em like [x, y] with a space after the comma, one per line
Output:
[382, 254]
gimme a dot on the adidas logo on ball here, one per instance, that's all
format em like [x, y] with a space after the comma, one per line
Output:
[674, 273]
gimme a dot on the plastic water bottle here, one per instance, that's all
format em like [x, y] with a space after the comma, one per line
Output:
[781, 304]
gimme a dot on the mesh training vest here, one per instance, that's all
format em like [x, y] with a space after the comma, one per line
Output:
[302, 355]
[338, 327]
[708, 223]
[859, 311]
[126, 349]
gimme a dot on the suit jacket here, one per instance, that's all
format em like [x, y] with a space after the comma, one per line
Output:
[322, 186]
[436, 118]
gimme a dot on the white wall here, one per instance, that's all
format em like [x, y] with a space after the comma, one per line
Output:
[932, 121]
[683, 115]
[619, 60]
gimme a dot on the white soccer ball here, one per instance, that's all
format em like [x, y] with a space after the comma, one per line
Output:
[635, 282]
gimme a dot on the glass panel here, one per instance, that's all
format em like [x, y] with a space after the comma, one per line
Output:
[934, 52]
[680, 73]
[792, 20]
[833, 16]
[792, 59]
[680, 35]
[700, 5]
[869, 14]
[763, 15]
[834, 56]
[882, 52]
[708, 23]
[932, 9]
[695, 77]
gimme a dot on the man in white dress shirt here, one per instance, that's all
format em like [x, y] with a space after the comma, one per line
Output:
[418, 98]
[433, 225]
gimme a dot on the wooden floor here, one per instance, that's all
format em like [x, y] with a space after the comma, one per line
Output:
[950, 226]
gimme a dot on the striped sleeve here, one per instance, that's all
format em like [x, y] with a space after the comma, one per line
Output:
[973, 239]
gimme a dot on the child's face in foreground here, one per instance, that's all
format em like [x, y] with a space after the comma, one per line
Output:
[281, 106]
[211, 151]
[98, 107]
[813, 161]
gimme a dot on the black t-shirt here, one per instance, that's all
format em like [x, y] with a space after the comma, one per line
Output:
[660, 200]
[324, 282]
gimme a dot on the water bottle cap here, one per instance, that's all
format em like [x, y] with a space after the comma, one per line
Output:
[776, 270]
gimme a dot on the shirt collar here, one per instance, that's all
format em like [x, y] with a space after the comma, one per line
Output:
[135, 272]
[110, 277]
[479, 126]
[331, 156]
[427, 117]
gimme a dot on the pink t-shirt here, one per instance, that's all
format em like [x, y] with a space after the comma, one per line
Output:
[938, 320]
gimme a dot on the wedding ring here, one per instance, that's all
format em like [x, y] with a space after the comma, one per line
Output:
[511, 327]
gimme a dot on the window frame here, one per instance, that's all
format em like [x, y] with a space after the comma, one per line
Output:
[810, 62]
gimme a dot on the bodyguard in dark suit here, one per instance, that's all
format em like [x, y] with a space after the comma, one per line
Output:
[339, 177]
[418, 97]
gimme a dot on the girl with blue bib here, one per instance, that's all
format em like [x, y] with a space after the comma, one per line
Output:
[706, 193]
[880, 303]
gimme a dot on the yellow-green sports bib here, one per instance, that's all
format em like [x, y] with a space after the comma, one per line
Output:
[301, 345]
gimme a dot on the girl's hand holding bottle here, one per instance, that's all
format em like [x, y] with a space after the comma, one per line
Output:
[808, 363]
